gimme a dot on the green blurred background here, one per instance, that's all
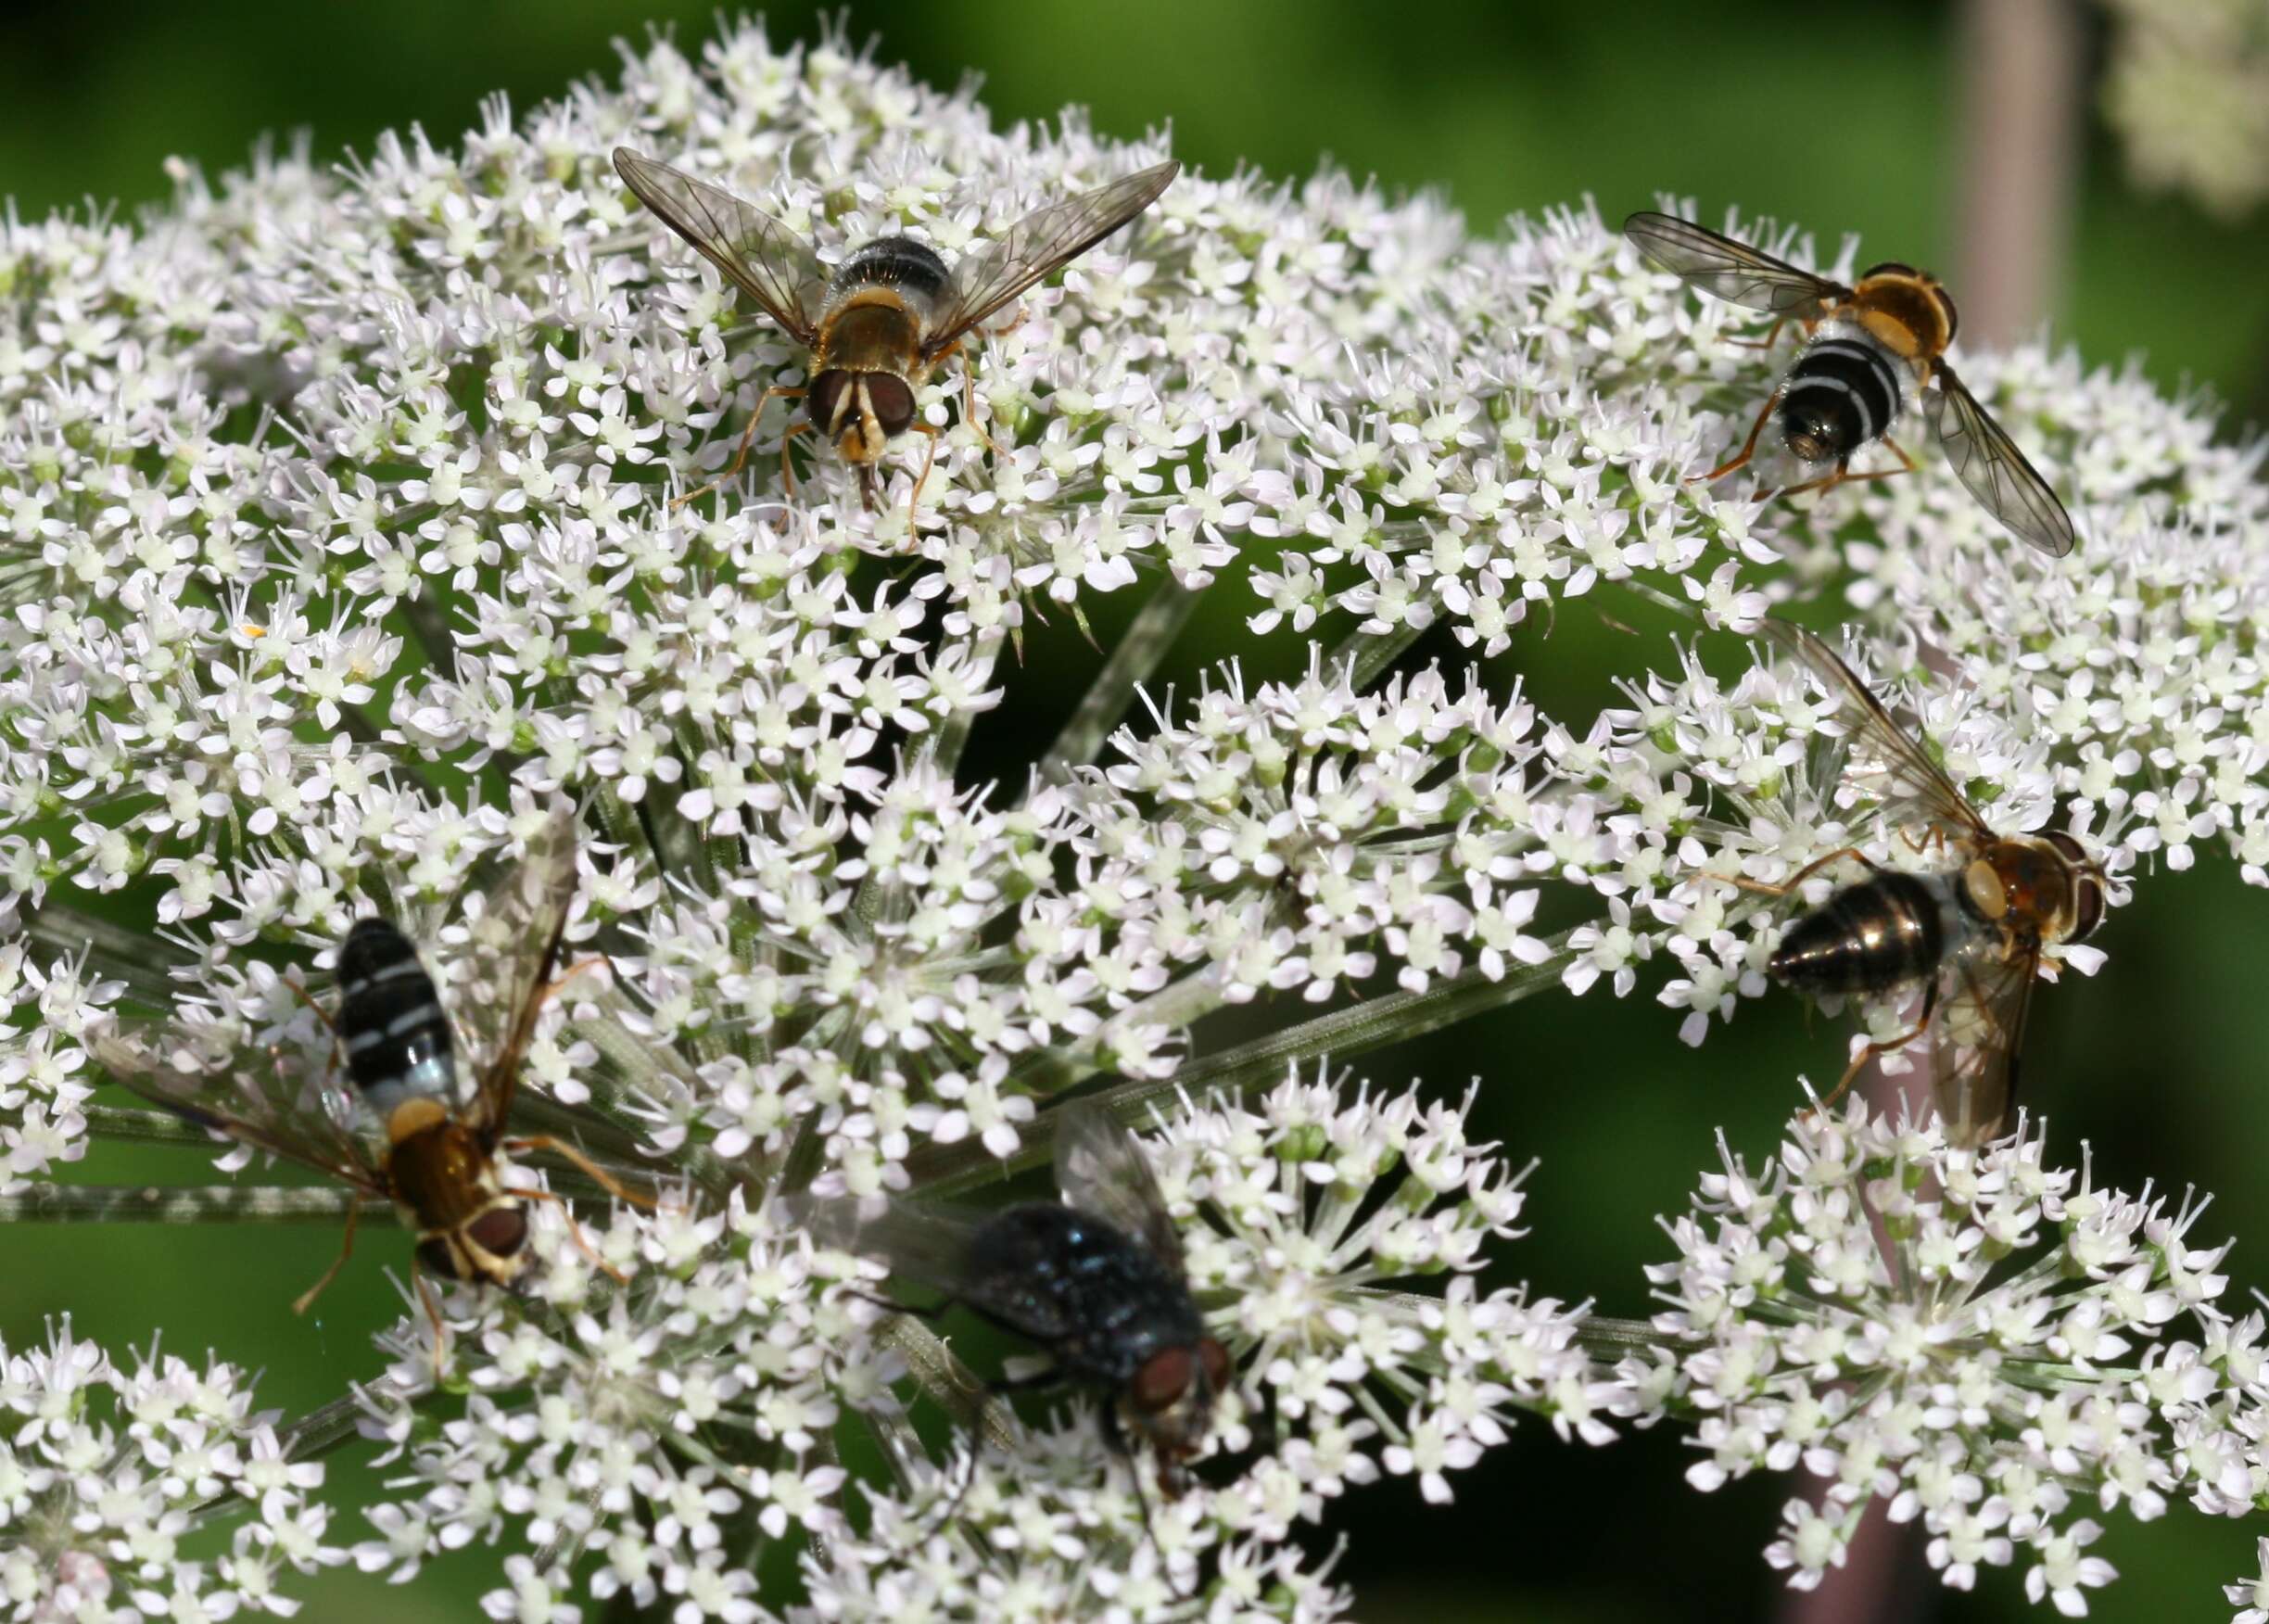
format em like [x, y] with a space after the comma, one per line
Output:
[1778, 108]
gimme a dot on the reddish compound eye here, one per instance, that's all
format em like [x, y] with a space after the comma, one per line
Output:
[1161, 1381]
[1215, 1359]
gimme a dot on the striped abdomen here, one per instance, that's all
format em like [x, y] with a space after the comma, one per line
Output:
[1884, 932]
[1843, 391]
[390, 1020]
[907, 268]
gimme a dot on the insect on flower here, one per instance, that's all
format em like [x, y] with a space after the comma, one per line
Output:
[890, 315]
[1096, 1280]
[1849, 385]
[439, 1162]
[1971, 935]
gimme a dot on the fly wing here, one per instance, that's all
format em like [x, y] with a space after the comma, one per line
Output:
[760, 256]
[1997, 474]
[256, 1101]
[516, 932]
[925, 1243]
[1919, 791]
[1733, 271]
[1043, 241]
[1979, 1029]
[1102, 1171]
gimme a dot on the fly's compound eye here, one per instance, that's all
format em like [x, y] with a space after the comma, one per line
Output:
[1215, 1359]
[1953, 316]
[827, 397]
[893, 401]
[1888, 268]
[501, 1231]
[2087, 887]
[1161, 1381]
[439, 1259]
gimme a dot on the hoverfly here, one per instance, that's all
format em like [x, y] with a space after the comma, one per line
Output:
[1849, 385]
[1096, 1280]
[889, 316]
[437, 1165]
[1972, 936]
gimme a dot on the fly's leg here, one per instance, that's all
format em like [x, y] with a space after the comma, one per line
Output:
[567, 1152]
[346, 1251]
[787, 470]
[1886, 1045]
[1844, 475]
[1771, 333]
[1795, 881]
[1748, 445]
[929, 460]
[747, 434]
[582, 1241]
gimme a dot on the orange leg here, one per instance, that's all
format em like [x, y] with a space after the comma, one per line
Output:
[1771, 333]
[1748, 445]
[1803, 874]
[1887, 1046]
[1844, 475]
[568, 1152]
[929, 458]
[748, 434]
[969, 390]
[346, 1251]
[574, 1229]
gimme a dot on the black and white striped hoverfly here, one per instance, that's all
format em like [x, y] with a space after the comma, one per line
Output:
[438, 1163]
[1849, 384]
[1971, 935]
[890, 315]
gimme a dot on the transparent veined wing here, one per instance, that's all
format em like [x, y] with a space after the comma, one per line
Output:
[252, 1096]
[1733, 271]
[515, 933]
[1918, 791]
[1983, 999]
[1997, 474]
[936, 1247]
[1102, 1171]
[760, 256]
[992, 273]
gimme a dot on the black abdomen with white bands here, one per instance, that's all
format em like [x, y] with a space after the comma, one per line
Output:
[890, 261]
[1842, 392]
[390, 1020]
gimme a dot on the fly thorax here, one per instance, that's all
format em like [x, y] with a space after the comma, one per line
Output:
[1844, 391]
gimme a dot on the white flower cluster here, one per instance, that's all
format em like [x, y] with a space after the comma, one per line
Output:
[621, 1437]
[107, 1474]
[2186, 86]
[1978, 1339]
[338, 544]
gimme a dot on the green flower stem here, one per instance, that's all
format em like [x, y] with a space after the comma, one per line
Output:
[942, 1169]
[1132, 663]
[187, 1204]
[940, 1374]
[148, 1127]
[1365, 655]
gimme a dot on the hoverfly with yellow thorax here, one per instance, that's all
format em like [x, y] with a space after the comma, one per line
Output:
[439, 1162]
[1865, 345]
[1971, 934]
[890, 315]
